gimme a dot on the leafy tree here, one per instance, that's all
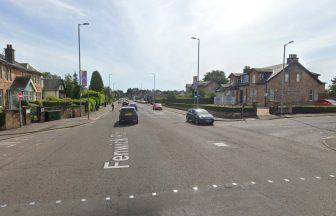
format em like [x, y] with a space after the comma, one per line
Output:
[96, 82]
[171, 96]
[69, 85]
[216, 76]
[76, 87]
[108, 93]
[332, 88]
[48, 75]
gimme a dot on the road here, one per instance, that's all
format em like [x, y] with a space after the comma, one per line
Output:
[165, 166]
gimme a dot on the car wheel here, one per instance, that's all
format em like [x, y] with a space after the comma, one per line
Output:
[187, 119]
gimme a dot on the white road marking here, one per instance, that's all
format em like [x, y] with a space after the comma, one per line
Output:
[214, 186]
[234, 183]
[302, 179]
[287, 180]
[270, 181]
[195, 188]
[252, 182]
[31, 203]
[175, 191]
[58, 201]
[83, 200]
[220, 144]
[108, 198]
[3, 206]
[131, 196]
[332, 176]
[154, 194]
[317, 177]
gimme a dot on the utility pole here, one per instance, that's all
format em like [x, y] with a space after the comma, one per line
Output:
[198, 62]
[283, 78]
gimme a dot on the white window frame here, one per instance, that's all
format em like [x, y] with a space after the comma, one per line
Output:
[286, 77]
[272, 95]
[253, 78]
[310, 95]
[298, 77]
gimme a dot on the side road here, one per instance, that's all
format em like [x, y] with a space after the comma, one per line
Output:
[54, 125]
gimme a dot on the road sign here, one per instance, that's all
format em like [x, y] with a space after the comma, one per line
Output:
[84, 78]
[20, 96]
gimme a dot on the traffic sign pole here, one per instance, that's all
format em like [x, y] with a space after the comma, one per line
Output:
[20, 97]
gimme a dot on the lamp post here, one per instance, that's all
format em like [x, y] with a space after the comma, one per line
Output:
[198, 58]
[154, 87]
[283, 78]
[79, 68]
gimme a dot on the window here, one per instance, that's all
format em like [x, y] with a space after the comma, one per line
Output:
[262, 76]
[298, 77]
[1, 97]
[245, 78]
[286, 77]
[271, 95]
[310, 95]
[253, 78]
[2, 71]
[10, 74]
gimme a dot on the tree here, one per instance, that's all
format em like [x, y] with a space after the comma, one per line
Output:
[69, 85]
[96, 82]
[48, 75]
[332, 88]
[216, 76]
[76, 87]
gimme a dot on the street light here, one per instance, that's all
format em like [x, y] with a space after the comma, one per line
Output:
[283, 78]
[154, 87]
[198, 56]
[79, 68]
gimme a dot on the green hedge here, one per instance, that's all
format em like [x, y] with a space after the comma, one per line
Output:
[2, 118]
[313, 109]
[235, 109]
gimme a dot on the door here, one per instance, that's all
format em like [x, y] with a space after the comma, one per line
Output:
[241, 96]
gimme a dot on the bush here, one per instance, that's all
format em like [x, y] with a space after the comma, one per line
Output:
[235, 109]
[52, 98]
[39, 103]
[313, 109]
[2, 118]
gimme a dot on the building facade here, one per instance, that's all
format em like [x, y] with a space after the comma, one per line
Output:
[263, 85]
[54, 88]
[17, 77]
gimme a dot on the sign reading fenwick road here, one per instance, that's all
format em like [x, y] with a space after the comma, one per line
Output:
[84, 78]
[120, 157]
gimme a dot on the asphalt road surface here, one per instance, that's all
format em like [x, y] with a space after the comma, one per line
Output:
[165, 166]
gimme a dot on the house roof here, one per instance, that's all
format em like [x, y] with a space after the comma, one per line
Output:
[236, 74]
[22, 66]
[52, 84]
[21, 83]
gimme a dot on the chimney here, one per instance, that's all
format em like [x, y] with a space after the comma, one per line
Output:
[9, 54]
[292, 58]
[246, 69]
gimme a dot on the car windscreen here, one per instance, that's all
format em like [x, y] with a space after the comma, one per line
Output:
[202, 112]
[127, 110]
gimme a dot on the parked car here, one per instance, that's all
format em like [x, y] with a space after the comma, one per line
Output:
[134, 105]
[128, 115]
[157, 106]
[326, 102]
[199, 116]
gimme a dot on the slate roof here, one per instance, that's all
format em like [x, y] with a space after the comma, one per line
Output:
[22, 66]
[52, 84]
[20, 83]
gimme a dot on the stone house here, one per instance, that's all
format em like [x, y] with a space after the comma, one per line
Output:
[16, 77]
[205, 86]
[263, 85]
[53, 87]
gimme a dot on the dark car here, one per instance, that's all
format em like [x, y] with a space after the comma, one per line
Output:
[199, 116]
[134, 105]
[128, 115]
[326, 102]
[125, 103]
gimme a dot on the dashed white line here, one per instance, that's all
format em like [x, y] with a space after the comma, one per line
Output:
[317, 177]
[214, 186]
[195, 188]
[58, 201]
[154, 194]
[107, 198]
[287, 180]
[332, 176]
[175, 191]
[252, 182]
[302, 179]
[3, 206]
[234, 183]
[31, 203]
[270, 181]
[83, 200]
[131, 196]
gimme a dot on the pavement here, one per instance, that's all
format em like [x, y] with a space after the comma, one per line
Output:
[54, 125]
[166, 166]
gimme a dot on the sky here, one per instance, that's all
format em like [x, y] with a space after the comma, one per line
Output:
[131, 39]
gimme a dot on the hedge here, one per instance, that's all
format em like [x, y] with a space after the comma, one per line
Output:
[2, 118]
[235, 109]
[313, 109]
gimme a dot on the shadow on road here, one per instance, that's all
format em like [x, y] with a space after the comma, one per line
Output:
[117, 124]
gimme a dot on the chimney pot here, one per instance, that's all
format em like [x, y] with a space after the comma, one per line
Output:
[292, 58]
[10, 54]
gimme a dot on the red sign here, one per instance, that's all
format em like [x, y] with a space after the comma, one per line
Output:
[84, 78]
[20, 96]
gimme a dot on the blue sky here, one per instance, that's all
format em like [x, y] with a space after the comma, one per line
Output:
[132, 39]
